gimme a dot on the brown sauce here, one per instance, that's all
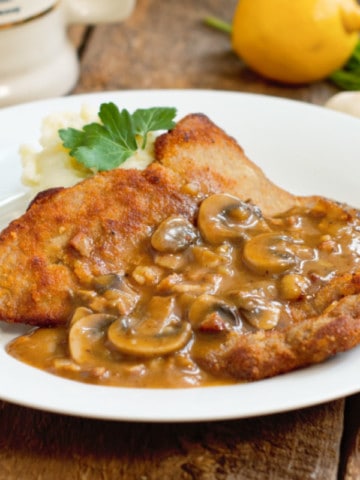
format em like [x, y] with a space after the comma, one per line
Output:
[236, 272]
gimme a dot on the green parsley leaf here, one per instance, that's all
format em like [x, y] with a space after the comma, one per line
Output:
[152, 119]
[106, 145]
[119, 124]
[71, 138]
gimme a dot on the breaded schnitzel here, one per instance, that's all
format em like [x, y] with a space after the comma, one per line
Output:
[263, 293]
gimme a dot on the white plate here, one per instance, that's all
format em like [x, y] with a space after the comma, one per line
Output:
[304, 148]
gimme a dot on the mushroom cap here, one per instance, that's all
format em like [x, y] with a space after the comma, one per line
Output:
[142, 345]
[86, 338]
[223, 217]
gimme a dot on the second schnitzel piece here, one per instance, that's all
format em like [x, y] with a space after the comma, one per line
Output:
[203, 154]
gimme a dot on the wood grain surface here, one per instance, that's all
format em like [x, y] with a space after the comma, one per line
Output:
[165, 44]
[296, 445]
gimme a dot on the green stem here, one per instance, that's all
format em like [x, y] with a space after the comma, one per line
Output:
[218, 24]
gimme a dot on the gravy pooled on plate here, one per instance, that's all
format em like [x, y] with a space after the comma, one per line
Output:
[198, 289]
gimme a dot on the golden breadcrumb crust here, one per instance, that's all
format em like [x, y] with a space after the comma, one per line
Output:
[99, 226]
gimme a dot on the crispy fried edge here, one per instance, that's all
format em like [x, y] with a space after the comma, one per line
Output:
[204, 154]
[268, 353]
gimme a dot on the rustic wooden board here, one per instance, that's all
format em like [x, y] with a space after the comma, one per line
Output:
[350, 464]
[301, 445]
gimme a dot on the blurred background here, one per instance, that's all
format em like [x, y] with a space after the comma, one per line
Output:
[169, 45]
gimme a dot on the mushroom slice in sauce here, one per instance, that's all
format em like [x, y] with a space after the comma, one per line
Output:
[158, 332]
[86, 338]
[173, 235]
[223, 217]
[80, 313]
[263, 316]
[209, 313]
[257, 308]
[271, 253]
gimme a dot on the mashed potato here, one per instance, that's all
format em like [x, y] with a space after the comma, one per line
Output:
[50, 165]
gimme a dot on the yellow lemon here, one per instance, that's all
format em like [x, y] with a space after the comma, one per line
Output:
[295, 41]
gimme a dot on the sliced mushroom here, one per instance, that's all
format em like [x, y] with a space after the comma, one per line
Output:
[159, 332]
[173, 235]
[86, 339]
[256, 308]
[258, 304]
[79, 313]
[263, 316]
[136, 344]
[224, 217]
[270, 253]
[112, 293]
[209, 313]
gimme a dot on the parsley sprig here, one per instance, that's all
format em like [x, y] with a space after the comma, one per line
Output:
[106, 145]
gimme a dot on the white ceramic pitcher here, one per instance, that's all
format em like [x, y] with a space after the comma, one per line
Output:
[37, 60]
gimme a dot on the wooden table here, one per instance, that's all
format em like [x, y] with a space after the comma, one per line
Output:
[165, 44]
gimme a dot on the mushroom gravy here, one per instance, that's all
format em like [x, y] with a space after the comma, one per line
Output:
[234, 273]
